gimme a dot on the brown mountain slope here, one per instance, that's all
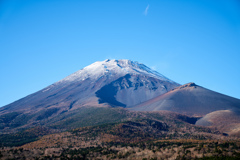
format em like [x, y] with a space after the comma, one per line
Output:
[153, 135]
[227, 121]
[190, 99]
[147, 126]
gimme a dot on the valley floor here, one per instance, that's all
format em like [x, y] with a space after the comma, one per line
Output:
[133, 135]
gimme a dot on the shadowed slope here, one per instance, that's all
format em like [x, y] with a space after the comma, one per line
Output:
[130, 90]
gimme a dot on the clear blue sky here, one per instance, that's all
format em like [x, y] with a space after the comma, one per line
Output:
[43, 41]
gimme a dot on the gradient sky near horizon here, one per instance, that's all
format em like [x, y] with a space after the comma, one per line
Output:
[43, 41]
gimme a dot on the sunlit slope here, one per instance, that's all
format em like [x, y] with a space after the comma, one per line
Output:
[190, 99]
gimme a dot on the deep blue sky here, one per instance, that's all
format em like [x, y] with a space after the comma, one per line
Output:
[43, 41]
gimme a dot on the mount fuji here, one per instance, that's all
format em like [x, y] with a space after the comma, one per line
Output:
[108, 83]
[84, 97]
[115, 102]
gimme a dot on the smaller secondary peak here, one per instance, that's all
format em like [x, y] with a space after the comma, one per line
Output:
[191, 84]
[188, 85]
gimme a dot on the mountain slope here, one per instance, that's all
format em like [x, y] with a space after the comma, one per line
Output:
[130, 90]
[153, 135]
[79, 88]
[190, 99]
[227, 121]
[88, 87]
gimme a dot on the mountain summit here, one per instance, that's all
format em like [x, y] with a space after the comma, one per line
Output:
[113, 68]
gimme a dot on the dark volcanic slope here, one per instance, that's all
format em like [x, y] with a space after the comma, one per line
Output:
[190, 99]
[130, 90]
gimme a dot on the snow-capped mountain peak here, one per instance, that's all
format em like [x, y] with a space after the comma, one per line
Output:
[110, 82]
[112, 68]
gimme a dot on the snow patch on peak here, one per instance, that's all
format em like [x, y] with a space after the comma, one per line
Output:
[107, 60]
[113, 68]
